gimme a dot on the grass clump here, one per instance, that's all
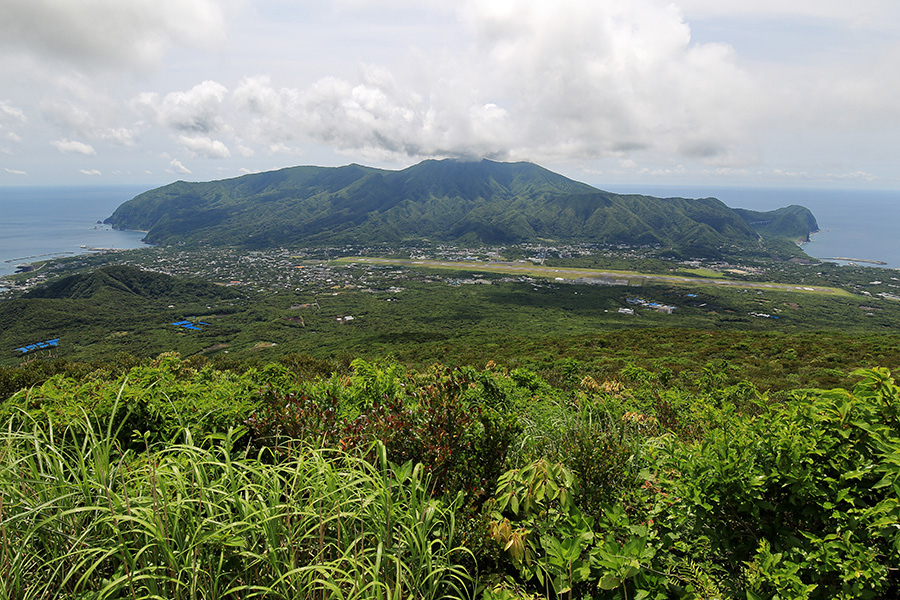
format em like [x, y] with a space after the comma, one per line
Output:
[81, 518]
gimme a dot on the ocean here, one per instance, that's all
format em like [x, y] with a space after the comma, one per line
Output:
[861, 224]
[39, 223]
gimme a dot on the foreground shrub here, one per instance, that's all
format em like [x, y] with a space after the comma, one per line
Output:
[455, 422]
[801, 501]
[445, 483]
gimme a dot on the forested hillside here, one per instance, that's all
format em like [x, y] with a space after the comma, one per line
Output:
[126, 282]
[794, 222]
[450, 201]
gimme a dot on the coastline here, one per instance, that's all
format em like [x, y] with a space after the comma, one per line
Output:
[852, 222]
[15, 264]
[855, 260]
[46, 222]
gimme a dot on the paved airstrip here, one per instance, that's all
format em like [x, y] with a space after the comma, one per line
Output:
[634, 279]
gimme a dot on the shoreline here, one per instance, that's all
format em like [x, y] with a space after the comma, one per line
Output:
[29, 261]
[47, 256]
[862, 260]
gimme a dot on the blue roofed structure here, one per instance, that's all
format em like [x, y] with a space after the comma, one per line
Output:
[188, 325]
[39, 346]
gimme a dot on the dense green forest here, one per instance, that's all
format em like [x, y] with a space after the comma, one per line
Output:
[462, 202]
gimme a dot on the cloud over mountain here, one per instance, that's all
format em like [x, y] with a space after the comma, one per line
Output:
[197, 110]
[574, 78]
[200, 145]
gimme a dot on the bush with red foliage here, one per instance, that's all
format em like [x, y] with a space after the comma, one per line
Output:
[449, 420]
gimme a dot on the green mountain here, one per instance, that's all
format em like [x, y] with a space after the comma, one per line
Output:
[126, 283]
[481, 202]
[794, 222]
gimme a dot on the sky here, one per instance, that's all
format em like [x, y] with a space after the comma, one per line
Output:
[769, 93]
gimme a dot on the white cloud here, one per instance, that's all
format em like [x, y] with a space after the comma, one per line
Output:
[110, 32]
[10, 113]
[10, 118]
[823, 176]
[581, 82]
[72, 146]
[78, 109]
[204, 147]
[176, 167]
[377, 117]
[15, 172]
[281, 149]
[91, 172]
[604, 78]
[118, 135]
[198, 110]
[857, 175]
[541, 82]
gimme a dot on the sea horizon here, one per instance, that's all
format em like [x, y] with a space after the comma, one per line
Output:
[45, 222]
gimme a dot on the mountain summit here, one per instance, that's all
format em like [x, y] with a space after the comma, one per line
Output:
[478, 202]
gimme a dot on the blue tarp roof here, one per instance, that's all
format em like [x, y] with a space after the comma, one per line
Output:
[38, 345]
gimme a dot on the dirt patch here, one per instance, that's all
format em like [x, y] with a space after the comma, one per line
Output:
[216, 347]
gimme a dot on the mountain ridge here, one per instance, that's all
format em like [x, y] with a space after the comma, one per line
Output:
[127, 282]
[467, 202]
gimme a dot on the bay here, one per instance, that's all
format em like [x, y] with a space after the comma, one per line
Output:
[38, 223]
[861, 224]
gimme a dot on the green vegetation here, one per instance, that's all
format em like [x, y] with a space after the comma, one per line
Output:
[176, 480]
[419, 316]
[685, 277]
[440, 425]
[99, 312]
[794, 222]
[129, 282]
[451, 201]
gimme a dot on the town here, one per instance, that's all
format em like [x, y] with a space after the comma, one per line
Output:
[309, 269]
